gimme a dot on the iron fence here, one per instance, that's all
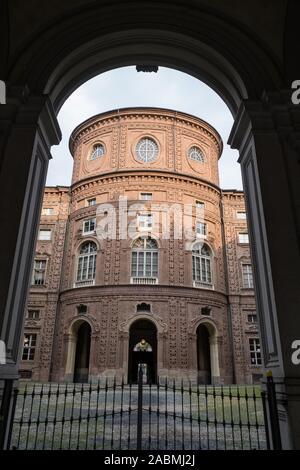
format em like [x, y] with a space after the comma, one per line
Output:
[164, 416]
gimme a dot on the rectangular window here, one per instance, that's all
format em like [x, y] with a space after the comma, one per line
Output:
[44, 234]
[145, 221]
[29, 347]
[255, 354]
[243, 237]
[89, 225]
[47, 211]
[200, 205]
[201, 228]
[39, 272]
[86, 269]
[144, 264]
[202, 270]
[33, 314]
[91, 202]
[241, 215]
[247, 276]
[252, 318]
[146, 196]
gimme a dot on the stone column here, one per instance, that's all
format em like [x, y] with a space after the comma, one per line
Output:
[237, 340]
[266, 133]
[93, 366]
[28, 128]
[70, 345]
[193, 353]
[124, 352]
[214, 359]
[161, 339]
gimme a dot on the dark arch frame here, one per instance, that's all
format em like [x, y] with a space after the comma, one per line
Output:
[131, 35]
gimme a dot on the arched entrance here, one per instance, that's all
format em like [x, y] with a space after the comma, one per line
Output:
[78, 352]
[82, 355]
[203, 355]
[142, 350]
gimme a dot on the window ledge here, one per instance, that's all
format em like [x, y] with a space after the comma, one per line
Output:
[90, 282]
[202, 285]
[144, 280]
[89, 233]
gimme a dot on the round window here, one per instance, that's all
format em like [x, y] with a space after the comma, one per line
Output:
[98, 151]
[195, 153]
[146, 150]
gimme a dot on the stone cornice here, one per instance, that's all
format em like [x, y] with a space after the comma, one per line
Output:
[121, 174]
[142, 113]
[127, 290]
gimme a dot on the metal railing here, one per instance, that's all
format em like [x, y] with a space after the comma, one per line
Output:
[165, 416]
[143, 280]
[202, 285]
[90, 282]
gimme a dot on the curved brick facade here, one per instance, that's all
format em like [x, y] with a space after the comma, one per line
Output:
[112, 187]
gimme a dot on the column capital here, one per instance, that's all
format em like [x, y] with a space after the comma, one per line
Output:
[274, 113]
[36, 111]
[124, 335]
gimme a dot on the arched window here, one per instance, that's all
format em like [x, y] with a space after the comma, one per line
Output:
[144, 263]
[201, 264]
[86, 268]
[195, 153]
[98, 151]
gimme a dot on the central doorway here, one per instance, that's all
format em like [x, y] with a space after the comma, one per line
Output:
[203, 355]
[143, 351]
[82, 355]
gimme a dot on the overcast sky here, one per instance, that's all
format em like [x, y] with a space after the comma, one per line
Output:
[125, 87]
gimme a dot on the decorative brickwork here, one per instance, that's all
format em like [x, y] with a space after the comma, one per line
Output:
[180, 308]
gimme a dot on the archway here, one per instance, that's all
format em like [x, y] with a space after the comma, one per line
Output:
[142, 351]
[82, 355]
[78, 352]
[203, 355]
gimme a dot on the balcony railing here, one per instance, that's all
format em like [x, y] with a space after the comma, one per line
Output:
[202, 285]
[90, 282]
[144, 280]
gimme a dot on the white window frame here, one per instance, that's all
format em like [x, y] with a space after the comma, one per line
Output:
[252, 315]
[247, 276]
[201, 228]
[145, 258]
[30, 347]
[199, 205]
[143, 221]
[147, 150]
[144, 196]
[35, 314]
[241, 215]
[90, 221]
[243, 238]
[196, 153]
[86, 265]
[45, 230]
[94, 154]
[47, 211]
[202, 268]
[39, 270]
[255, 352]
[91, 202]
